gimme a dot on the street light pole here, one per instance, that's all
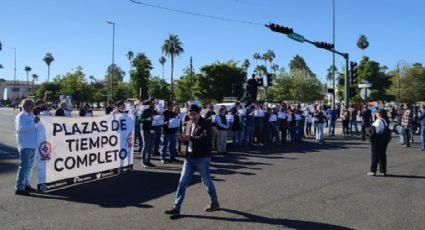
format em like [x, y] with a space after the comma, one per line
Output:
[333, 54]
[191, 78]
[398, 80]
[14, 80]
[113, 52]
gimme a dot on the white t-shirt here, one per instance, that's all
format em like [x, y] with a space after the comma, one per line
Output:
[379, 125]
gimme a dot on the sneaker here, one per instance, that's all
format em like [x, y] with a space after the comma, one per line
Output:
[212, 207]
[371, 174]
[173, 211]
[381, 174]
[163, 161]
[28, 188]
[22, 192]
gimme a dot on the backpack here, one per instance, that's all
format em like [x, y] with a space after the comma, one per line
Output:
[386, 135]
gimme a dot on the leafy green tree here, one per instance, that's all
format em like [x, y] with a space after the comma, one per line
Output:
[245, 65]
[159, 88]
[281, 89]
[75, 84]
[172, 47]
[372, 72]
[162, 61]
[48, 91]
[48, 59]
[140, 73]
[221, 77]
[362, 43]
[412, 83]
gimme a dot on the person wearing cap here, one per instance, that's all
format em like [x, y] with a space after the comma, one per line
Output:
[26, 136]
[148, 134]
[198, 157]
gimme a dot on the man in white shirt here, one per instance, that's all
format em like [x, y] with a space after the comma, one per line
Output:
[26, 136]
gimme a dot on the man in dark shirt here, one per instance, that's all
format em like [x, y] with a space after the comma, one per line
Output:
[170, 137]
[366, 116]
[148, 134]
[252, 88]
[61, 111]
[198, 156]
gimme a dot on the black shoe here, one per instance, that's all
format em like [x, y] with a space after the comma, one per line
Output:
[212, 207]
[173, 212]
[150, 164]
[28, 188]
[175, 160]
[22, 192]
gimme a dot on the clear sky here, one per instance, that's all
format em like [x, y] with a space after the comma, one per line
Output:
[76, 32]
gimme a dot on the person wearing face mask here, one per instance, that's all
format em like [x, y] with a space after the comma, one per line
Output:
[379, 140]
[198, 157]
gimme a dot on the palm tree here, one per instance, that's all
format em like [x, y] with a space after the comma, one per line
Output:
[162, 61]
[34, 77]
[270, 57]
[130, 56]
[256, 57]
[362, 43]
[172, 47]
[275, 68]
[48, 59]
[245, 64]
[27, 69]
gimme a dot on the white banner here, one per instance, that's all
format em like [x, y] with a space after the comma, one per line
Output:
[81, 149]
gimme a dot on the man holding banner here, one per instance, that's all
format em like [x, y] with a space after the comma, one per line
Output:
[198, 157]
[26, 136]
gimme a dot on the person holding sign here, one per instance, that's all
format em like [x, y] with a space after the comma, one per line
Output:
[26, 136]
[198, 157]
[148, 134]
[169, 129]
[222, 127]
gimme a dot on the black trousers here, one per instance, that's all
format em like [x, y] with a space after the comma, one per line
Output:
[345, 128]
[364, 127]
[284, 130]
[379, 156]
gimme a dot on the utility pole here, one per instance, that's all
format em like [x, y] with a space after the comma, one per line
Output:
[191, 78]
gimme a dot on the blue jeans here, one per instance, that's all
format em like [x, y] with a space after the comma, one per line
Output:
[353, 122]
[189, 166]
[238, 137]
[249, 135]
[27, 158]
[423, 136]
[332, 128]
[400, 131]
[148, 144]
[169, 141]
[319, 131]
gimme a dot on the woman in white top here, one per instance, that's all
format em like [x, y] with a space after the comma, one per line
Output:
[379, 143]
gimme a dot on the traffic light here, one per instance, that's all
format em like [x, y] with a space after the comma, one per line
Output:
[353, 71]
[269, 80]
[331, 91]
[279, 28]
[324, 45]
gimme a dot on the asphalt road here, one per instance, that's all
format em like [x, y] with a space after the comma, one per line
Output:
[296, 186]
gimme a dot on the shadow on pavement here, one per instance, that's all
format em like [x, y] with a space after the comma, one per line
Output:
[132, 189]
[405, 176]
[251, 218]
